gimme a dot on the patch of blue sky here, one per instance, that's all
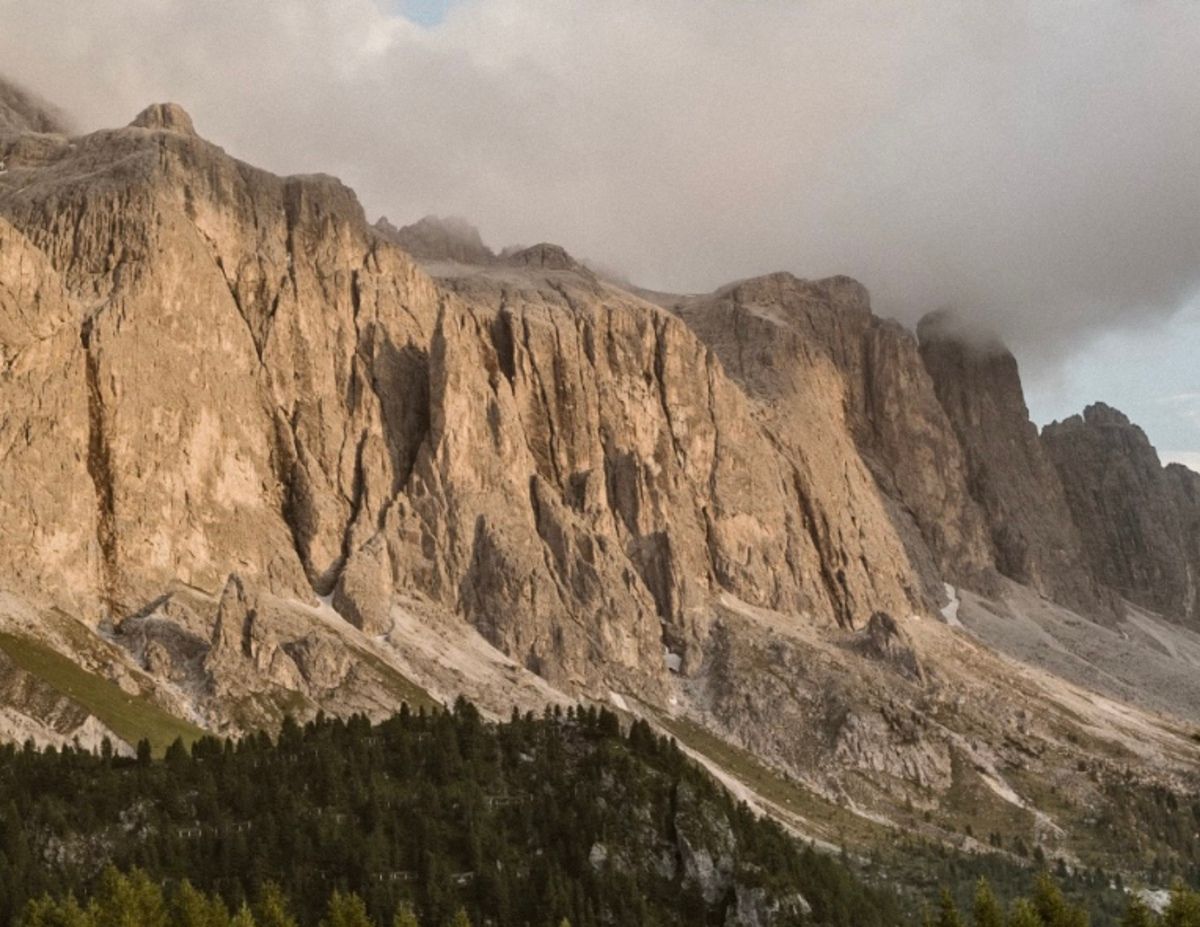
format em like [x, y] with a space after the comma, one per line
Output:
[428, 13]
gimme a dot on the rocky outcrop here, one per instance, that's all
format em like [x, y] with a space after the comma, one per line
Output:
[169, 117]
[545, 256]
[436, 239]
[1137, 519]
[795, 344]
[884, 640]
[1009, 475]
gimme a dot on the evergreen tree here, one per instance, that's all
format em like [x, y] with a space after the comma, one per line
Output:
[1052, 907]
[46, 912]
[460, 918]
[346, 909]
[272, 909]
[127, 901]
[948, 915]
[1183, 910]
[986, 911]
[1023, 914]
[192, 908]
[1137, 914]
[405, 916]
[243, 918]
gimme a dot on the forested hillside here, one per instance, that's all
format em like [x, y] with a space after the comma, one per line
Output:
[442, 819]
[527, 822]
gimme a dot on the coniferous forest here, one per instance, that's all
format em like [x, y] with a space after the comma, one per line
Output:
[442, 814]
[436, 819]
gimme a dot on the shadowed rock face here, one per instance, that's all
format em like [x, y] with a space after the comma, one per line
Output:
[1009, 475]
[794, 344]
[1137, 519]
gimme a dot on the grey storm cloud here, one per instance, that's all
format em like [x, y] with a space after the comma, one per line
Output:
[1035, 165]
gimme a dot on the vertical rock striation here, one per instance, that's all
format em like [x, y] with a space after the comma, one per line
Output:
[799, 345]
[1137, 519]
[1009, 475]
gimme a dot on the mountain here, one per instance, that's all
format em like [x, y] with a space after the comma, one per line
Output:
[1010, 477]
[1137, 517]
[435, 238]
[22, 112]
[260, 460]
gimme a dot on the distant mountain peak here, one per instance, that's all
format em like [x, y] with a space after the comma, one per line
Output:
[168, 117]
[22, 111]
[439, 238]
[544, 255]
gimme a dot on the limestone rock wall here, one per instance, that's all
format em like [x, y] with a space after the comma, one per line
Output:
[1137, 519]
[797, 344]
[240, 376]
[1009, 474]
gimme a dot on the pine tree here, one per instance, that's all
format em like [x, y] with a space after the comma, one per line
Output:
[346, 909]
[127, 901]
[244, 918]
[1052, 907]
[460, 919]
[948, 915]
[1137, 914]
[46, 912]
[405, 916]
[192, 908]
[986, 911]
[1183, 909]
[1024, 915]
[272, 908]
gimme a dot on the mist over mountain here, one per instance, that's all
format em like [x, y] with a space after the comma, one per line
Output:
[1031, 164]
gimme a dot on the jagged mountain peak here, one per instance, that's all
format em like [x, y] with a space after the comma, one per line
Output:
[1139, 520]
[438, 239]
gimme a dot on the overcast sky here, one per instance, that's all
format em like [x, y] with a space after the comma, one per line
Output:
[1035, 165]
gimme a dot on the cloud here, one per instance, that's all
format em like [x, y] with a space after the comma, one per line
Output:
[1030, 163]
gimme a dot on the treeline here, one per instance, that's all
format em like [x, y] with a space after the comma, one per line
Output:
[1047, 907]
[135, 899]
[440, 815]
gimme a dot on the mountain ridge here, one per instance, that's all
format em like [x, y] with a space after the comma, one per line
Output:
[262, 463]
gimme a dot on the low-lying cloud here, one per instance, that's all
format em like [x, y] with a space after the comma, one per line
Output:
[1031, 163]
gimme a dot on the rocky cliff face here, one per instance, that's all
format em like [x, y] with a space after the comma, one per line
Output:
[1009, 475]
[795, 344]
[623, 478]
[1137, 519]
[237, 375]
